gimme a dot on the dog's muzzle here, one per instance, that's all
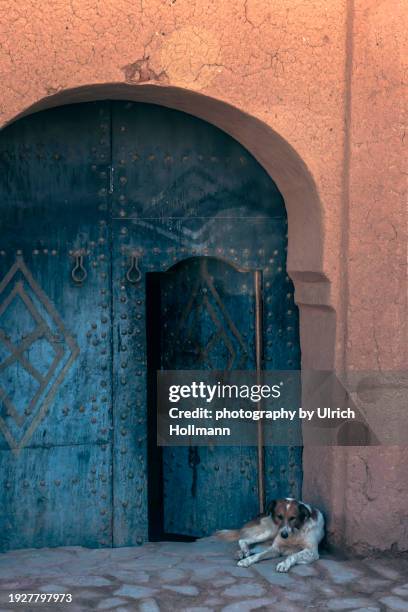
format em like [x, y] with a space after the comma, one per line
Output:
[284, 533]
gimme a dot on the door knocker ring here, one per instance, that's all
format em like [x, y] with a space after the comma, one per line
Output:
[78, 273]
[134, 274]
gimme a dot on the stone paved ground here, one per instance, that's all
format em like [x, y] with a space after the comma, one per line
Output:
[198, 577]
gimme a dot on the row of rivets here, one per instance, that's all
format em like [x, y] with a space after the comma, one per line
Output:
[131, 423]
[95, 334]
[135, 157]
[28, 156]
[34, 252]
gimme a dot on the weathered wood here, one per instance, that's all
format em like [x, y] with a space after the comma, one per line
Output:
[56, 478]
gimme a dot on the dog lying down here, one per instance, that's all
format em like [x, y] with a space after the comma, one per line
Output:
[292, 528]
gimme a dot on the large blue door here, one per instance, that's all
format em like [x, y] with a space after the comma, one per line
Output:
[94, 197]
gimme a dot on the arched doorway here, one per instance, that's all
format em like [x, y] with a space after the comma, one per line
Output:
[95, 197]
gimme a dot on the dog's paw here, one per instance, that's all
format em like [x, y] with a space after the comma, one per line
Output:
[239, 554]
[245, 562]
[283, 566]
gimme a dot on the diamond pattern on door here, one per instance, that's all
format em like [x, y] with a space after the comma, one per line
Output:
[218, 333]
[31, 332]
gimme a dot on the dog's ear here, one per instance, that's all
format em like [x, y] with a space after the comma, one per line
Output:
[270, 508]
[304, 513]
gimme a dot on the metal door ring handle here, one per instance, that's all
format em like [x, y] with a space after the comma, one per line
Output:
[79, 273]
[134, 274]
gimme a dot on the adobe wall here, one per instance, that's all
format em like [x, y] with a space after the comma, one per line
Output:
[313, 89]
[377, 486]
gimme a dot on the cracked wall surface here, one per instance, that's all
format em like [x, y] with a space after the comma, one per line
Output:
[377, 250]
[327, 78]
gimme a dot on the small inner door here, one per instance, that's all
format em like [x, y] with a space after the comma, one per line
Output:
[202, 318]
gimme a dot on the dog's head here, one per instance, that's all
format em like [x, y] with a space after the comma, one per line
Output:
[289, 515]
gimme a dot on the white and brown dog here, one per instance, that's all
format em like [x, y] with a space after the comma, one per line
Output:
[292, 528]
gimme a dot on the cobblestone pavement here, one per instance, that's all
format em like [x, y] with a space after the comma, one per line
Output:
[198, 577]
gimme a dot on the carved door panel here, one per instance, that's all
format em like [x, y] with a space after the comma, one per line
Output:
[206, 320]
[55, 330]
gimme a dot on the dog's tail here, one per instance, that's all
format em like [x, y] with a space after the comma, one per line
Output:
[228, 535]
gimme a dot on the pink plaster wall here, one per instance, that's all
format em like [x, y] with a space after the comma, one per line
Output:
[377, 484]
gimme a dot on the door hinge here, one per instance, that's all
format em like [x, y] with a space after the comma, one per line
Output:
[111, 182]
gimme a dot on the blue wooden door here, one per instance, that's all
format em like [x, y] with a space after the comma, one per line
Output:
[55, 330]
[93, 198]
